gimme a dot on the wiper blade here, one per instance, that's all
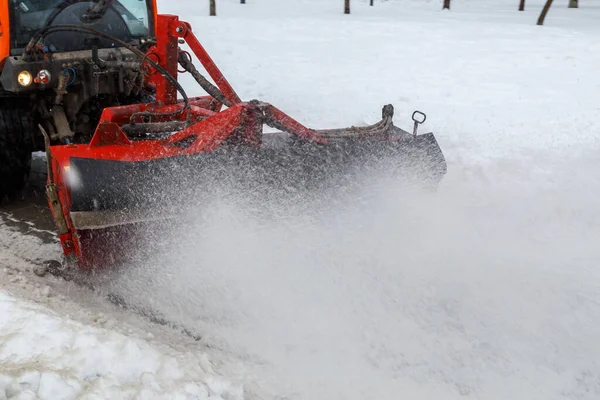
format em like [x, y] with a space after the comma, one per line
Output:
[96, 11]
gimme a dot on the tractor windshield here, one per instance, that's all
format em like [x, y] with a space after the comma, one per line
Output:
[128, 20]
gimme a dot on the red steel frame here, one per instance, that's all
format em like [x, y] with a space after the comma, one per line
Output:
[210, 127]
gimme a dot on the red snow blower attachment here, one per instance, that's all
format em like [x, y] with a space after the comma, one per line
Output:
[148, 161]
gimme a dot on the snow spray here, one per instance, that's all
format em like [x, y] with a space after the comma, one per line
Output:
[484, 288]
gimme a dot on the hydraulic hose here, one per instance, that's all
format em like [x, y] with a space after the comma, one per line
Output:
[186, 62]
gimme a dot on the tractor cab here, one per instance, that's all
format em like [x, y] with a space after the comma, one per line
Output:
[128, 20]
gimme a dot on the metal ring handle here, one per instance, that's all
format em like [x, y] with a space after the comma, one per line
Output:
[415, 114]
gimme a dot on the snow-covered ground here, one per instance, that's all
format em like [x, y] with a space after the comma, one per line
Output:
[48, 356]
[60, 341]
[492, 83]
[487, 289]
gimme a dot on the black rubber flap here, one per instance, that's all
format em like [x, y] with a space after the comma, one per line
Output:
[280, 167]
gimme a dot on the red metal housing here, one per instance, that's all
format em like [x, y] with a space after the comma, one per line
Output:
[207, 126]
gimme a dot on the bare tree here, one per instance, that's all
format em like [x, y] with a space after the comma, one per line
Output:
[346, 6]
[522, 5]
[573, 3]
[446, 5]
[213, 8]
[544, 12]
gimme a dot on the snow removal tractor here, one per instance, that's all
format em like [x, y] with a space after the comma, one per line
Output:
[94, 84]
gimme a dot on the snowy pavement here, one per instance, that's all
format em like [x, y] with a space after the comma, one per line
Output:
[45, 355]
[487, 289]
[61, 341]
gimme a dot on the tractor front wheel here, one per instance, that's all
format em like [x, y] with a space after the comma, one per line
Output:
[16, 146]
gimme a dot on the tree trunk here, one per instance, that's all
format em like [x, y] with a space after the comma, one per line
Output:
[213, 8]
[372, 3]
[242, 1]
[544, 12]
[522, 5]
[446, 5]
[573, 3]
[346, 6]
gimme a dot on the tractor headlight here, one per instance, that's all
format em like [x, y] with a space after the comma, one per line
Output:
[24, 78]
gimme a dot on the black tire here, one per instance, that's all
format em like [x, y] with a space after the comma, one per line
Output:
[16, 146]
